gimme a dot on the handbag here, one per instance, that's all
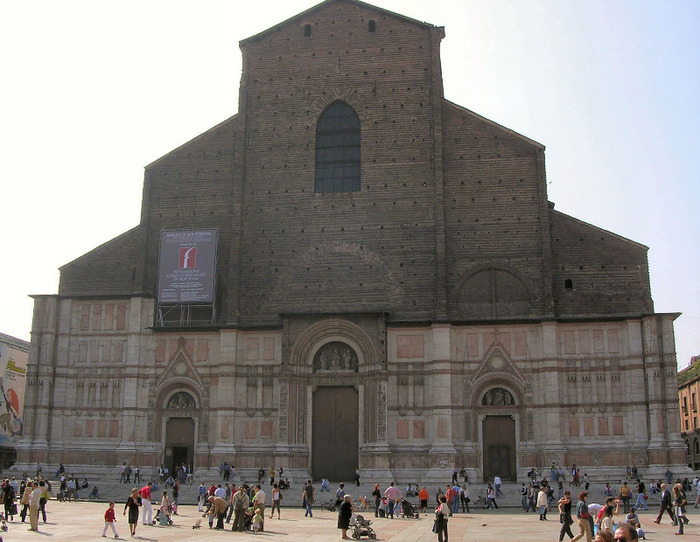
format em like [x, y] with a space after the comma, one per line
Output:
[13, 510]
[435, 524]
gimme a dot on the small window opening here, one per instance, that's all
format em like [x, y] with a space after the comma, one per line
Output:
[307, 30]
[372, 25]
[569, 284]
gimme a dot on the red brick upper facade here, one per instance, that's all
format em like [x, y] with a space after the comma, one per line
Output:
[451, 221]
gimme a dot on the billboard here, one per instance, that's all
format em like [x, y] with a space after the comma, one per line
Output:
[187, 266]
[13, 373]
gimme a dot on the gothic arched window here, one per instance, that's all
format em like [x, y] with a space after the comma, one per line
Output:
[338, 150]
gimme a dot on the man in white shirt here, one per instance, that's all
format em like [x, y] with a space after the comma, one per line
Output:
[34, 499]
[497, 485]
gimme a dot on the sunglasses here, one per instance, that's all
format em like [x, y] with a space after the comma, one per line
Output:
[622, 539]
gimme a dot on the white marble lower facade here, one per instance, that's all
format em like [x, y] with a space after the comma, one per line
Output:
[407, 401]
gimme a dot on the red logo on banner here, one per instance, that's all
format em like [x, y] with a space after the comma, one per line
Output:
[188, 258]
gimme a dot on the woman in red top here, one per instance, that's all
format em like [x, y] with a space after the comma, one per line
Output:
[423, 498]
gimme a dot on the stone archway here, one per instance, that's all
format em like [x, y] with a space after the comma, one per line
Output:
[180, 427]
[498, 409]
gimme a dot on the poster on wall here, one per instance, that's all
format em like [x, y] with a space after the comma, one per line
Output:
[187, 266]
[13, 372]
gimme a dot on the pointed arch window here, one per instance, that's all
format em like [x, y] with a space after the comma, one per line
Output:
[338, 150]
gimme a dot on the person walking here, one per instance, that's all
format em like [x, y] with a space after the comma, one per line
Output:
[680, 501]
[308, 498]
[524, 501]
[641, 503]
[110, 519]
[8, 500]
[24, 501]
[666, 505]
[565, 516]
[132, 504]
[441, 514]
[276, 498]
[497, 485]
[584, 518]
[491, 497]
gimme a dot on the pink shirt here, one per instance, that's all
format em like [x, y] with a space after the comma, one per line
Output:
[392, 493]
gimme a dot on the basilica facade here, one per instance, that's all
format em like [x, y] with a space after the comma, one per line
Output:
[380, 283]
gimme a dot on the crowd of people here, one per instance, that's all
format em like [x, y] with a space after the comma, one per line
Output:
[33, 494]
[244, 506]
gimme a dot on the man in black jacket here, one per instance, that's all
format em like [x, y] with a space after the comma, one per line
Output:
[666, 505]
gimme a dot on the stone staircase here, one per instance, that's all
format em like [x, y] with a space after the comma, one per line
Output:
[112, 490]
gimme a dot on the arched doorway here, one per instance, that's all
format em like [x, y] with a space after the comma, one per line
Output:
[498, 436]
[179, 431]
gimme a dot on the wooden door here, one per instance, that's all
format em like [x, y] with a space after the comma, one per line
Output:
[335, 431]
[499, 448]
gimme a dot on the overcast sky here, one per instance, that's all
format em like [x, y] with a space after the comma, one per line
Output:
[94, 90]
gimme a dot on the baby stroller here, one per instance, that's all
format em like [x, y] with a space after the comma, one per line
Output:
[361, 527]
[330, 505]
[408, 510]
[480, 503]
[163, 518]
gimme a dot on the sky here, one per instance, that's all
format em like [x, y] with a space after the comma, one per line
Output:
[94, 90]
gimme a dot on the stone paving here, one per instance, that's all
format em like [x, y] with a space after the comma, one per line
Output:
[84, 521]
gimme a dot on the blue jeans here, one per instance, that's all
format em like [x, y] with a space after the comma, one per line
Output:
[390, 509]
[308, 509]
[455, 505]
[641, 503]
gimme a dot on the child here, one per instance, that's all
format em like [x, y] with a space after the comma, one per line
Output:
[210, 516]
[110, 520]
[257, 520]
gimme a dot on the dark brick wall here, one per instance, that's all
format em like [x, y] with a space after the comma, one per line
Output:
[445, 194]
[609, 274]
[198, 186]
[114, 268]
[367, 250]
[494, 196]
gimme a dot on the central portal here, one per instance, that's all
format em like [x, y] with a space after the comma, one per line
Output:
[335, 432]
[499, 448]
[179, 443]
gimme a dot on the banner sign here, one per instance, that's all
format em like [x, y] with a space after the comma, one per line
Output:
[13, 373]
[187, 266]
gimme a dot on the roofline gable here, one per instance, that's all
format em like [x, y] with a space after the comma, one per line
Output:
[601, 230]
[318, 7]
[518, 135]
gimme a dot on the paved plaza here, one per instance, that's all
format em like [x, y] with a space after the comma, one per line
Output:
[84, 521]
